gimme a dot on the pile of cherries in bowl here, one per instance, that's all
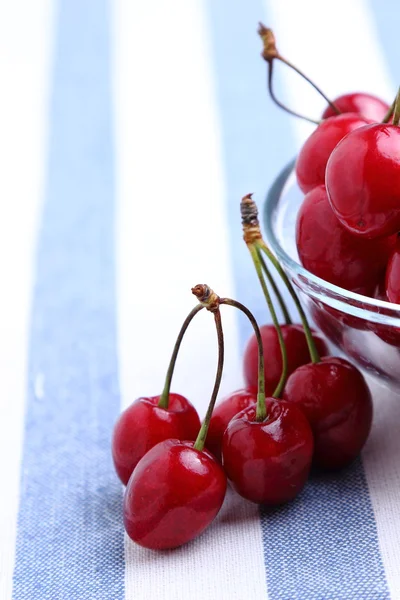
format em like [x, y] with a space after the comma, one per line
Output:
[333, 219]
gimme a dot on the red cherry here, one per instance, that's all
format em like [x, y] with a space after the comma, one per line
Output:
[314, 155]
[174, 493]
[366, 105]
[392, 280]
[268, 462]
[389, 333]
[363, 180]
[223, 413]
[329, 251]
[336, 400]
[297, 354]
[144, 424]
[326, 322]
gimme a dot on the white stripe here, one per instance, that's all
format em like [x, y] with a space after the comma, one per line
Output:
[26, 30]
[341, 52]
[171, 235]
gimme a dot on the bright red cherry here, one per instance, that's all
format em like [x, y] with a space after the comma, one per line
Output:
[268, 462]
[363, 181]
[313, 157]
[336, 400]
[297, 354]
[366, 105]
[174, 493]
[144, 424]
[329, 251]
[223, 413]
[392, 280]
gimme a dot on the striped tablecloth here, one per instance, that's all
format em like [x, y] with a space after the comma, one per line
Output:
[129, 130]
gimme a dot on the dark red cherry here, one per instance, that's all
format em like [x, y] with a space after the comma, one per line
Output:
[174, 493]
[268, 462]
[330, 326]
[336, 400]
[296, 348]
[363, 181]
[329, 251]
[313, 157]
[366, 105]
[392, 280]
[223, 413]
[389, 291]
[144, 424]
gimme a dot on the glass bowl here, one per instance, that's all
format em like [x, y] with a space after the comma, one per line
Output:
[365, 330]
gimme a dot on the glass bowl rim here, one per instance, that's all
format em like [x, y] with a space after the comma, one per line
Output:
[364, 306]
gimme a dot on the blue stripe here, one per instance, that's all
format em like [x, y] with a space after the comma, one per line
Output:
[324, 545]
[256, 135]
[386, 16]
[70, 535]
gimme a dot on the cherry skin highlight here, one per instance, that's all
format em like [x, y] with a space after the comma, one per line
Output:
[313, 156]
[268, 462]
[329, 251]
[336, 400]
[392, 280]
[366, 105]
[363, 181]
[144, 424]
[296, 348]
[223, 413]
[174, 493]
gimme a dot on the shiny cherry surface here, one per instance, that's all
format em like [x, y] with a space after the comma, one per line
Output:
[174, 493]
[313, 157]
[363, 181]
[296, 348]
[392, 280]
[366, 105]
[268, 462]
[144, 424]
[336, 400]
[223, 412]
[329, 251]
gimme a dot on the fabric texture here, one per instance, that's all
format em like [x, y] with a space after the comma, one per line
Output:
[130, 131]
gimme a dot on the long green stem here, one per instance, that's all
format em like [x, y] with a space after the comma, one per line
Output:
[278, 102]
[255, 255]
[389, 113]
[270, 53]
[261, 409]
[310, 340]
[164, 398]
[314, 85]
[276, 290]
[396, 111]
[201, 438]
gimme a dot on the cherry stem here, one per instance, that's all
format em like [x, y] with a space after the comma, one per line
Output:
[279, 103]
[389, 113]
[396, 110]
[201, 438]
[252, 236]
[315, 358]
[270, 53]
[255, 255]
[164, 398]
[314, 85]
[261, 409]
[279, 297]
